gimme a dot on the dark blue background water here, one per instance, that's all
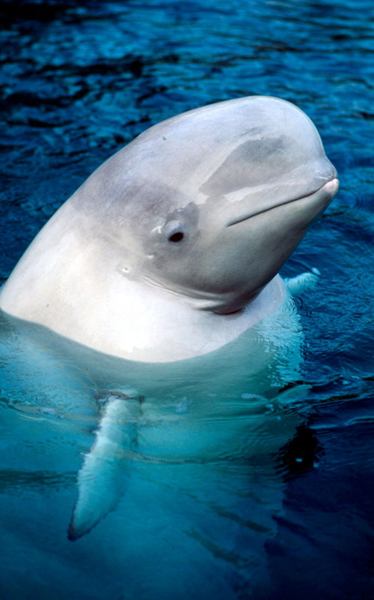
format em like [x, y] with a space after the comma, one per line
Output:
[79, 81]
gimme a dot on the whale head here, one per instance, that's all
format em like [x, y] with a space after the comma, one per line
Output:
[211, 203]
[190, 220]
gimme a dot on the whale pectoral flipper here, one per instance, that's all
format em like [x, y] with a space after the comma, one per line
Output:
[305, 281]
[101, 480]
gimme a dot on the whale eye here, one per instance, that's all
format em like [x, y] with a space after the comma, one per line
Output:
[174, 230]
[176, 237]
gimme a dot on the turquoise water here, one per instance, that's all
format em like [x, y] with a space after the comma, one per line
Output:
[246, 484]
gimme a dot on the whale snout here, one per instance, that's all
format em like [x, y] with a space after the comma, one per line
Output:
[321, 196]
[326, 193]
[331, 187]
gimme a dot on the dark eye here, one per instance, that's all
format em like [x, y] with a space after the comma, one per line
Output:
[176, 237]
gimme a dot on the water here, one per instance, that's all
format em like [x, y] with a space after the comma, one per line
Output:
[281, 507]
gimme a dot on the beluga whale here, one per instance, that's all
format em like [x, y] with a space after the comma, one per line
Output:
[172, 247]
[156, 274]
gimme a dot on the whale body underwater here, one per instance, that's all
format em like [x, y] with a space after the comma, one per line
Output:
[159, 269]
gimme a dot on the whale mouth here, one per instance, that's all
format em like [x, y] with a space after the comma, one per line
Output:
[328, 190]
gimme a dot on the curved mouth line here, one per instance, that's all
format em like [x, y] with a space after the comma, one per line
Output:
[259, 212]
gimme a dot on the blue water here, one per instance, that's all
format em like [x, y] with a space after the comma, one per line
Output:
[277, 503]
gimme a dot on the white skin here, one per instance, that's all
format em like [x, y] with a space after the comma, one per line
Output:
[171, 248]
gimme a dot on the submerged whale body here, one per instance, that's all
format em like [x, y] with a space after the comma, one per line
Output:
[171, 248]
[165, 261]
